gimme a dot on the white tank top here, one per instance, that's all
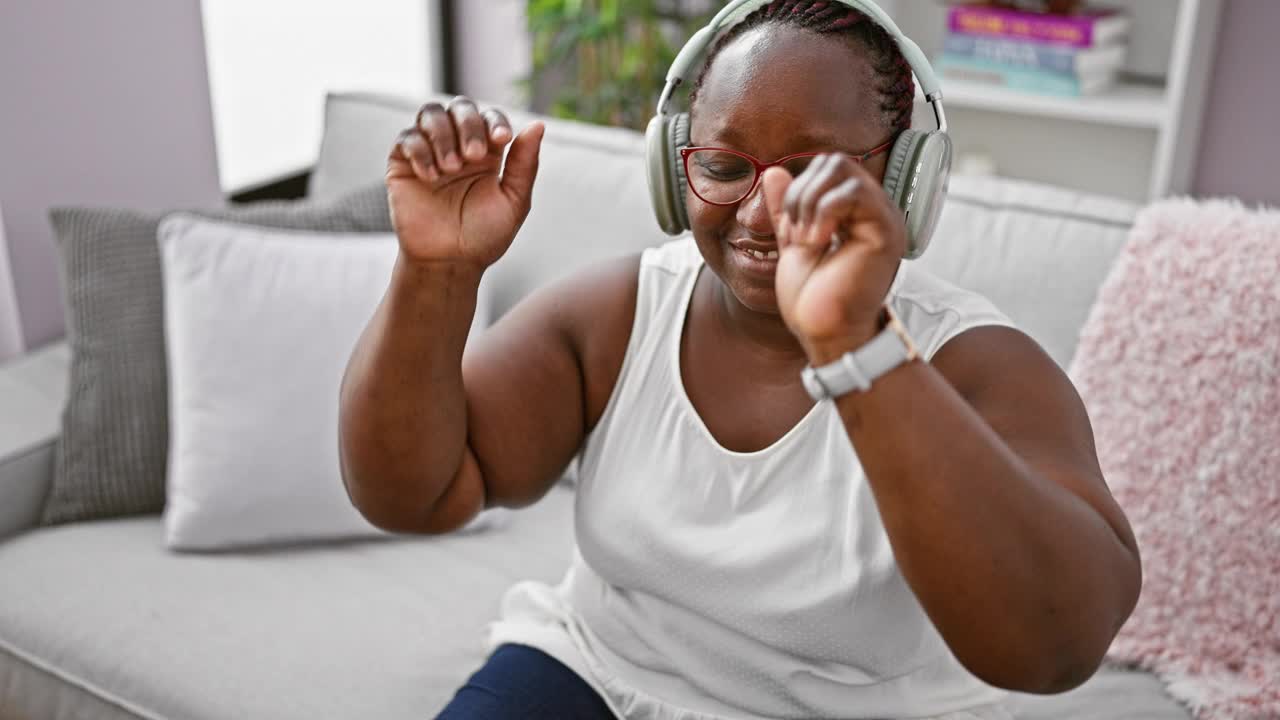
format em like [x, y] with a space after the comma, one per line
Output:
[711, 584]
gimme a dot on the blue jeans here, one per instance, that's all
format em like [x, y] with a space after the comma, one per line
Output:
[518, 681]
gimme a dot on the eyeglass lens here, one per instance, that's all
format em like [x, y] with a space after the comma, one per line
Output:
[718, 176]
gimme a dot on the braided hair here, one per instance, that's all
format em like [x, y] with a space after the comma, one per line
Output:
[828, 17]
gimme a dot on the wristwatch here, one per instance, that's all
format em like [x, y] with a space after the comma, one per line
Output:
[856, 370]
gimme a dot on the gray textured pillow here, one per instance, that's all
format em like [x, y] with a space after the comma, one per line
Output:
[110, 459]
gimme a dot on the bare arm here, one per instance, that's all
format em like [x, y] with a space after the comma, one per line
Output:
[403, 414]
[429, 435]
[982, 462]
[403, 410]
[984, 471]
[538, 381]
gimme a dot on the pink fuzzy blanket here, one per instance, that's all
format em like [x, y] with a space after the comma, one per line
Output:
[1179, 366]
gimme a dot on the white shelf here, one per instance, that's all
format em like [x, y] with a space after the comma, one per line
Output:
[1138, 141]
[1126, 105]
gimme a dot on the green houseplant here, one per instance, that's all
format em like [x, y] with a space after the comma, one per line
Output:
[604, 61]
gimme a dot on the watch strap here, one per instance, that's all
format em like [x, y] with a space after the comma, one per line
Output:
[858, 369]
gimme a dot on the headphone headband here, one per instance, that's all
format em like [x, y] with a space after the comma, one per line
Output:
[916, 172]
[738, 10]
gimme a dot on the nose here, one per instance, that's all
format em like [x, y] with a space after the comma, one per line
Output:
[753, 213]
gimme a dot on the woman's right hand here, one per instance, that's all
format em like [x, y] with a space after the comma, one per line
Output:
[448, 201]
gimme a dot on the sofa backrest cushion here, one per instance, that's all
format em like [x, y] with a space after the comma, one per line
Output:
[1038, 252]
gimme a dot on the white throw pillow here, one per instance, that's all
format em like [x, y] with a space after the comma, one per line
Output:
[259, 326]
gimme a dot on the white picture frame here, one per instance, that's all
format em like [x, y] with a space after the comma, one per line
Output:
[11, 342]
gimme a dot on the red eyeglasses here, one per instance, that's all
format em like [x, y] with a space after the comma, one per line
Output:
[719, 176]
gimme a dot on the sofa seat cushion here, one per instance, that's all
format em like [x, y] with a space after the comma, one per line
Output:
[33, 390]
[98, 615]
[98, 620]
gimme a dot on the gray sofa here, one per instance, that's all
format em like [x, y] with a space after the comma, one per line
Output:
[98, 620]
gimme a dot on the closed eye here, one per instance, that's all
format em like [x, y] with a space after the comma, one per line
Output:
[721, 172]
[721, 166]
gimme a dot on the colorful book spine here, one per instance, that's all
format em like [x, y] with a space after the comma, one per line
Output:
[1035, 56]
[1083, 30]
[1033, 80]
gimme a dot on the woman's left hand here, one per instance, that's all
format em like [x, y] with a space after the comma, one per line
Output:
[831, 299]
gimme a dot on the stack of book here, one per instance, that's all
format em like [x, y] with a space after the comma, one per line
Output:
[1076, 54]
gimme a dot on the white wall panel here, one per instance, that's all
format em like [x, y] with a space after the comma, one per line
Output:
[10, 327]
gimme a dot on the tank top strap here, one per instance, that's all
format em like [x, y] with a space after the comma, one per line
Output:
[667, 274]
[664, 270]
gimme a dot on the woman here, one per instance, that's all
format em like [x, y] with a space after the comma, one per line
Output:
[903, 551]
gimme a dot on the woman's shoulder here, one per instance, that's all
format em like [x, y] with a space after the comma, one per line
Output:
[935, 310]
[602, 298]
[597, 307]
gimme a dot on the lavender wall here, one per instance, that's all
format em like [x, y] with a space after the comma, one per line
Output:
[1239, 150]
[101, 103]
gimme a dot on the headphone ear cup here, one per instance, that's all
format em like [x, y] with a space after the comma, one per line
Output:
[897, 166]
[931, 176]
[660, 175]
[679, 125]
[916, 179]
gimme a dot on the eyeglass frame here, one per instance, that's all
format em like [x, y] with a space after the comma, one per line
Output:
[760, 167]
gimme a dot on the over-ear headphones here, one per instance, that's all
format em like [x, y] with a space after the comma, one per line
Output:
[919, 164]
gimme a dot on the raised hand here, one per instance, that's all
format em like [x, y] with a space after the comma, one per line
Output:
[451, 198]
[830, 291]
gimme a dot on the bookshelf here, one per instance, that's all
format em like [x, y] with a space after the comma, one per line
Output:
[1129, 105]
[1138, 140]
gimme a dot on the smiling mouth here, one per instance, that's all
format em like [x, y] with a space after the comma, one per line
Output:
[758, 254]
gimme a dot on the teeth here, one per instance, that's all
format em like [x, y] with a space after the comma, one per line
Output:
[760, 254]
